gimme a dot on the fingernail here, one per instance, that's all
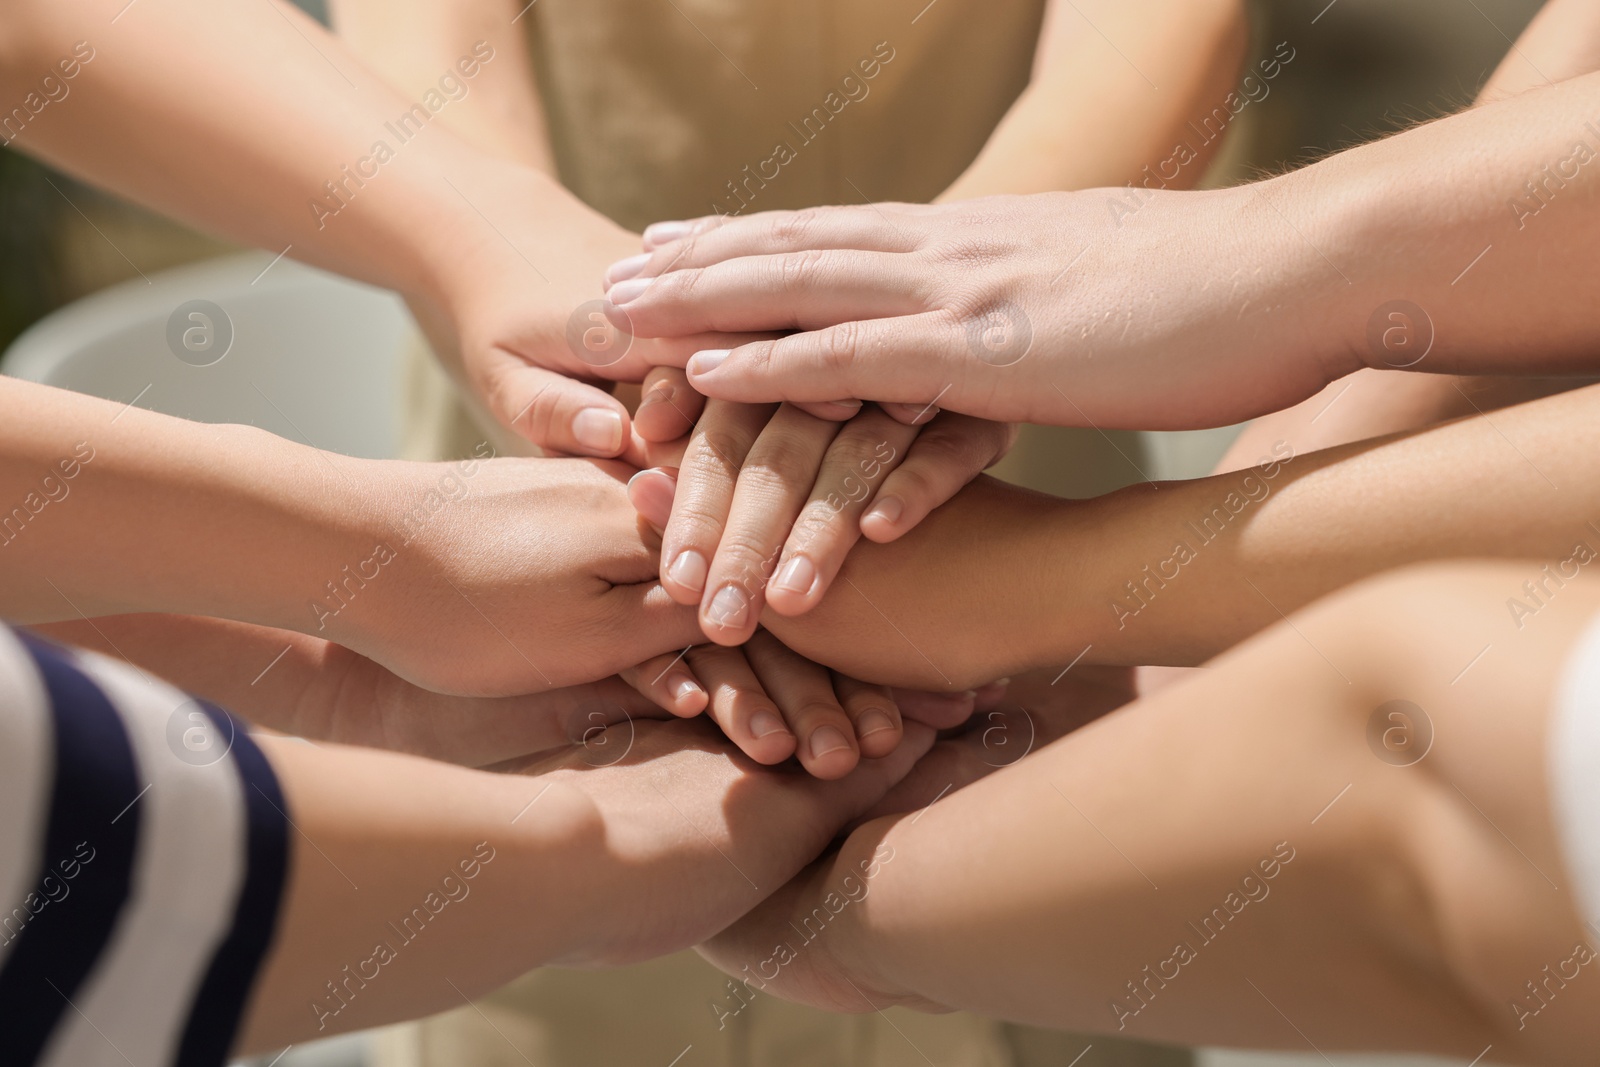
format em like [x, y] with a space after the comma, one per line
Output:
[623, 269]
[598, 429]
[689, 570]
[847, 405]
[660, 393]
[707, 361]
[873, 721]
[797, 576]
[826, 739]
[888, 510]
[685, 687]
[659, 233]
[623, 292]
[765, 722]
[729, 607]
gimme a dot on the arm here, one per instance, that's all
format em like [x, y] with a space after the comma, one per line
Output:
[461, 577]
[1168, 309]
[495, 257]
[1178, 572]
[410, 43]
[1562, 42]
[1113, 85]
[1230, 863]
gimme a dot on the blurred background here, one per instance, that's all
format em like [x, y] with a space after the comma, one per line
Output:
[1363, 68]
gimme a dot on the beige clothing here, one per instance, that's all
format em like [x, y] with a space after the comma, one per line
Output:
[678, 108]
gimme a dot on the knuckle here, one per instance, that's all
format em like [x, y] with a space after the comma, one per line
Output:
[794, 227]
[798, 272]
[719, 453]
[838, 346]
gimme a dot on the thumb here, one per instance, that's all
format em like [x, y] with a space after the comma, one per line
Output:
[555, 412]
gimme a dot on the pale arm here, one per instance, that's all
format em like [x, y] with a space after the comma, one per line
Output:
[1113, 85]
[1233, 862]
[426, 568]
[1178, 572]
[411, 43]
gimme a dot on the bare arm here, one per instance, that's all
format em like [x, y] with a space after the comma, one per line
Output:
[412, 44]
[1236, 862]
[1178, 572]
[1562, 42]
[1113, 83]
[426, 568]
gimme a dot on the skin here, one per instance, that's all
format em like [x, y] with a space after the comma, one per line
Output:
[1432, 889]
[767, 503]
[1052, 581]
[1337, 241]
[581, 839]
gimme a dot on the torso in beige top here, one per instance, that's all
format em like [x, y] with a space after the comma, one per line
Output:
[664, 109]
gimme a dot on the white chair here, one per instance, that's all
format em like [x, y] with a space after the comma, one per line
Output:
[302, 353]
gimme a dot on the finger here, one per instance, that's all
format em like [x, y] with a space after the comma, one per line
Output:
[797, 290]
[668, 407]
[915, 359]
[942, 711]
[699, 242]
[866, 449]
[555, 412]
[779, 472]
[651, 492]
[804, 692]
[873, 714]
[740, 703]
[705, 487]
[832, 410]
[670, 683]
[912, 414]
[949, 452]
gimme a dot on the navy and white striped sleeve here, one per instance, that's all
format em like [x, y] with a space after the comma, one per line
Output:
[143, 857]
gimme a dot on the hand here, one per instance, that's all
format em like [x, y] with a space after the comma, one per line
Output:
[765, 697]
[821, 970]
[519, 318]
[1012, 721]
[1061, 308]
[497, 577]
[767, 503]
[311, 688]
[972, 594]
[685, 833]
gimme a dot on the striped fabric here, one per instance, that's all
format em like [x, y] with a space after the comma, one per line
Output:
[143, 854]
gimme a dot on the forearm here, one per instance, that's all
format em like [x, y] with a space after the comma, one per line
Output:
[1177, 572]
[219, 91]
[414, 44]
[406, 872]
[110, 509]
[1090, 116]
[1153, 866]
[1484, 249]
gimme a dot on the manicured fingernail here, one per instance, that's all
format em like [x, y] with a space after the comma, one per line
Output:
[888, 510]
[707, 361]
[825, 740]
[729, 607]
[623, 292]
[765, 722]
[873, 721]
[623, 269]
[598, 429]
[659, 233]
[797, 576]
[684, 687]
[689, 570]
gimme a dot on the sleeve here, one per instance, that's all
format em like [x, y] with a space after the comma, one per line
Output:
[143, 857]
